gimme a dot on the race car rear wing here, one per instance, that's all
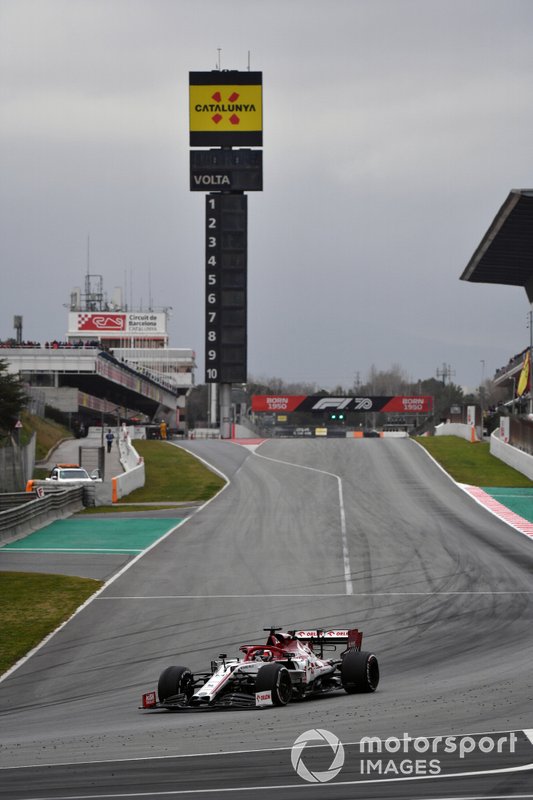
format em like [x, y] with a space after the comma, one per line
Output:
[351, 637]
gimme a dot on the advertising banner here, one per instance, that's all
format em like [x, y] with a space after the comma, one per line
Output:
[226, 109]
[398, 404]
[276, 403]
[505, 429]
[108, 322]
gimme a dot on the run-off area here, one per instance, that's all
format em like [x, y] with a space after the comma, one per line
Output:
[128, 536]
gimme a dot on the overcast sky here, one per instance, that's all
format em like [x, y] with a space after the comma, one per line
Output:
[393, 132]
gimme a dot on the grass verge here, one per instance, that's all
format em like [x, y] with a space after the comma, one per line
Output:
[172, 475]
[472, 463]
[49, 433]
[126, 509]
[32, 605]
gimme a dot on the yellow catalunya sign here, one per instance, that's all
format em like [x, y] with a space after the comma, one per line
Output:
[225, 108]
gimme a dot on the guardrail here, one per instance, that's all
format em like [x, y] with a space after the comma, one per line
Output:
[12, 499]
[38, 511]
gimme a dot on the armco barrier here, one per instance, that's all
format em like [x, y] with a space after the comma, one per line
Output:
[28, 516]
[13, 499]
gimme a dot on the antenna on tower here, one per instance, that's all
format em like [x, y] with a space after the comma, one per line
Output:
[446, 372]
[248, 61]
[219, 50]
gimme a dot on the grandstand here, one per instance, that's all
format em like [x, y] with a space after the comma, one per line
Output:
[114, 362]
[505, 256]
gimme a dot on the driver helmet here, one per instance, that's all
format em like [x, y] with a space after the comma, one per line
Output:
[264, 655]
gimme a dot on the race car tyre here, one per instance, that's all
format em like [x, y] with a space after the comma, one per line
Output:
[275, 678]
[359, 672]
[173, 681]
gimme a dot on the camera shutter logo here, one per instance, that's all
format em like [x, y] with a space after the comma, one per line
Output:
[317, 735]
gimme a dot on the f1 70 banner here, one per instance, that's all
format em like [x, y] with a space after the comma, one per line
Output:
[398, 404]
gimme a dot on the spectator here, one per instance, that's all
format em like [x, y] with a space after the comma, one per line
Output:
[109, 439]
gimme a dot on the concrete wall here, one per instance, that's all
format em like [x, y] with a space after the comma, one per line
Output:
[204, 433]
[459, 429]
[133, 476]
[129, 457]
[135, 431]
[64, 398]
[128, 482]
[512, 456]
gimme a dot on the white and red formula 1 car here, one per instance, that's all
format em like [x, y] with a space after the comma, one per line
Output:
[290, 666]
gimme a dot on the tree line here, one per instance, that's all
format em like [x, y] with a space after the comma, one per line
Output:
[12, 399]
[389, 382]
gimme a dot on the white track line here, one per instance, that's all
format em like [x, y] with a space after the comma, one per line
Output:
[307, 786]
[314, 594]
[344, 537]
[252, 750]
[59, 550]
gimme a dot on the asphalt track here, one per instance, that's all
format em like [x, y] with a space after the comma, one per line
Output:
[308, 533]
